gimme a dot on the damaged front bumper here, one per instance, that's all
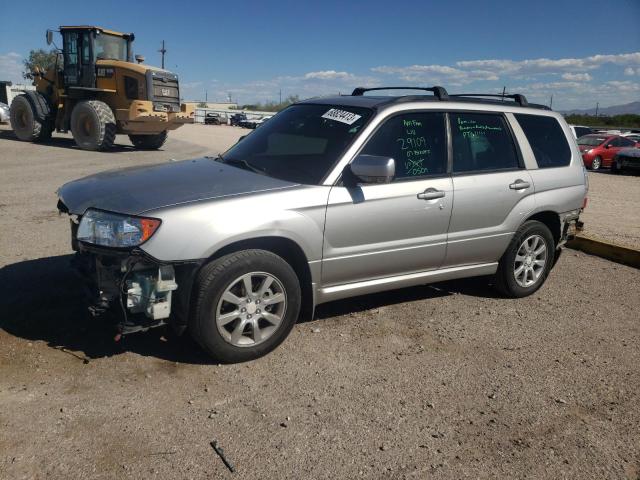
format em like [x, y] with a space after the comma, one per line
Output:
[132, 288]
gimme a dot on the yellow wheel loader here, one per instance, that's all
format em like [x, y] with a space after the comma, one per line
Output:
[96, 90]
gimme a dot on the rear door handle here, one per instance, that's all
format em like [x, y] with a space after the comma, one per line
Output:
[519, 185]
[431, 194]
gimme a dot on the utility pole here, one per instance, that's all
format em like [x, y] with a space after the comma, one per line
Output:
[281, 96]
[597, 105]
[206, 96]
[163, 51]
[504, 90]
[551, 102]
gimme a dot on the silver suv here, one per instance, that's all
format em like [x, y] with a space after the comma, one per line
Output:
[332, 198]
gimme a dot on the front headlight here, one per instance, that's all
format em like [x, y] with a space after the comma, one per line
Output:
[115, 230]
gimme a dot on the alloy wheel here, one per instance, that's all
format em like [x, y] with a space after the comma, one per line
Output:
[251, 309]
[530, 261]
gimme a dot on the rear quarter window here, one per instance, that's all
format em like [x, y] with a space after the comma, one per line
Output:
[547, 140]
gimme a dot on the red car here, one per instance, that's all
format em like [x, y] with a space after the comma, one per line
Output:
[598, 150]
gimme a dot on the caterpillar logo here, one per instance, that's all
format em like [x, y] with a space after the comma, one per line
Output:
[105, 72]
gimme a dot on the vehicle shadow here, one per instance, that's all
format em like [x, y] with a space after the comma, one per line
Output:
[64, 142]
[44, 300]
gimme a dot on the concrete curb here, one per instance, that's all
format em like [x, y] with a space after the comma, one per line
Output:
[609, 251]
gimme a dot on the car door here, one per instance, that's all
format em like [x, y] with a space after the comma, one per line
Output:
[381, 230]
[493, 191]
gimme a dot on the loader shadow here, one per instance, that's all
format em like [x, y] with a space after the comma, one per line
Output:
[43, 300]
[64, 142]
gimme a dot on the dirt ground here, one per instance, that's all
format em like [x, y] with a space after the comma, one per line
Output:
[443, 381]
[612, 213]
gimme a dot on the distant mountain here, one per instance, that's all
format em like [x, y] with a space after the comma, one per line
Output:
[633, 107]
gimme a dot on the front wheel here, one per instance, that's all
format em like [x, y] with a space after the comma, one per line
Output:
[596, 163]
[246, 304]
[149, 142]
[526, 263]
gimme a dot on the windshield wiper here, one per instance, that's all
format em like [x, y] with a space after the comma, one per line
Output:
[240, 163]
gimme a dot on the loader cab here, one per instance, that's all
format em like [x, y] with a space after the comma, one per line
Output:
[83, 46]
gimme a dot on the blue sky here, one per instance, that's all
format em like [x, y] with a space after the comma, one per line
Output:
[582, 52]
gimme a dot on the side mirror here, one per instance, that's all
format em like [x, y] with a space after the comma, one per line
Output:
[608, 145]
[49, 37]
[241, 138]
[373, 168]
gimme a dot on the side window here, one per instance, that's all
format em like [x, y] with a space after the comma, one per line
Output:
[416, 141]
[86, 50]
[547, 140]
[481, 141]
[615, 142]
[625, 142]
[71, 40]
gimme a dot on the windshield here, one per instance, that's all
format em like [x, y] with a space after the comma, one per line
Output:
[110, 47]
[592, 141]
[300, 144]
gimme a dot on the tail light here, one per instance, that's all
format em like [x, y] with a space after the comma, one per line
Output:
[584, 202]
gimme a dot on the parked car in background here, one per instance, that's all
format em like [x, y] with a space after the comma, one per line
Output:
[214, 119]
[237, 118]
[4, 113]
[598, 150]
[632, 136]
[627, 159]
[252, 122]
[580, 131]
[332, 198]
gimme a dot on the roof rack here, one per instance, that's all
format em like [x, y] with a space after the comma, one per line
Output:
[439, 92]
[517, 97]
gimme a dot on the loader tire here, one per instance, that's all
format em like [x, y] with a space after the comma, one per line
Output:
[149, 142]
[30, 116]
[93, 125]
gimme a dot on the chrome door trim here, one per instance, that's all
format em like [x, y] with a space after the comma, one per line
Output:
[336, 292]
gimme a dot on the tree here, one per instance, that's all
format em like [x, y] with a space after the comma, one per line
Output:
[38, 58]
[202, 105]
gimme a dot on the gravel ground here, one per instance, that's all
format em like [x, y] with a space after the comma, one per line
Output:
[445, 381]
[612, 213]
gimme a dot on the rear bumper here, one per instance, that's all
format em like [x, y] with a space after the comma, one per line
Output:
[570, 224]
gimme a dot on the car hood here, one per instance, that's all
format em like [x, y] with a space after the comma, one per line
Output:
[139, 189]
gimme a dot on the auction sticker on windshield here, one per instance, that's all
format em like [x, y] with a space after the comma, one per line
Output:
[341, 116]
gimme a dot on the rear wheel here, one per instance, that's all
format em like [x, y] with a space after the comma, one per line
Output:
[596, 163]
[246, 304]
[93, 125]
[149, 142]
[29, 115]
[526, 263]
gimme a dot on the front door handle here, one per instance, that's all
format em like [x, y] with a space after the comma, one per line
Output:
[431, 194]
[519, 185]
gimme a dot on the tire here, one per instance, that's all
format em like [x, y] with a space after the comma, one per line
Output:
[614, 166]
[226, 275]
[30, 116]
[93, 125]
[508, 279]
[149, 142]
[596, 163]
